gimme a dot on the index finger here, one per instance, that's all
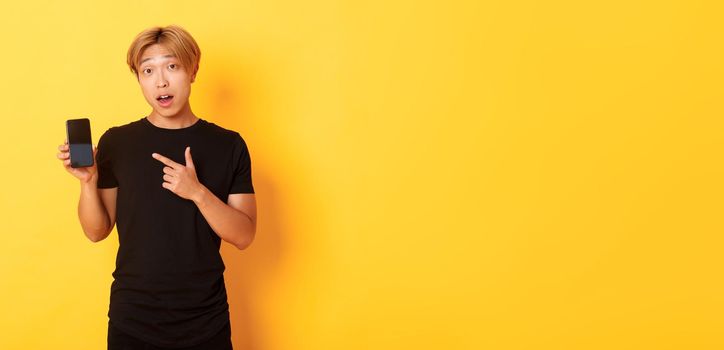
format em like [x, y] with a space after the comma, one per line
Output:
[165, 160]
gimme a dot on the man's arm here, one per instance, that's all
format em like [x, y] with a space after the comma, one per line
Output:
[235, 222]
[96, 207]
[97, 210]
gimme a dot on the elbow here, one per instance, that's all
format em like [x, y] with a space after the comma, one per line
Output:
[98, 236]
[246, 242]
[94, 238]
[244, 245]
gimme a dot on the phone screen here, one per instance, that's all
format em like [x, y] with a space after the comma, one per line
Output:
[79, 142]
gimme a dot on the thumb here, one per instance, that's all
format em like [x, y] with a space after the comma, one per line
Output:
[189, 161]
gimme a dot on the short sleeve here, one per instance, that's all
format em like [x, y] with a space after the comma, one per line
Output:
[106, 178]
[241, 181]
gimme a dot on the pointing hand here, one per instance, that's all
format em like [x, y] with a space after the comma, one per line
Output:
[180, 179]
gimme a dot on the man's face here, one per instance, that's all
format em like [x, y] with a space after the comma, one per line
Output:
[160, 74]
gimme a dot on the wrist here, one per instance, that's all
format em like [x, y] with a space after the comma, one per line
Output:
[200, 195]
[91, 182]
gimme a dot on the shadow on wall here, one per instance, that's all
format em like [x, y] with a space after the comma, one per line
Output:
[248, 272]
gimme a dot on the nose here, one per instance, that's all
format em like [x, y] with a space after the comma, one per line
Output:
[161, 83]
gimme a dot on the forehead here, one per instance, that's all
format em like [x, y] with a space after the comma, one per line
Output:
[155, 52]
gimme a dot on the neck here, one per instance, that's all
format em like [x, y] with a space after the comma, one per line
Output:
[184, 118]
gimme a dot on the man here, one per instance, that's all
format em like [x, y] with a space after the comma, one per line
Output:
[175, 185]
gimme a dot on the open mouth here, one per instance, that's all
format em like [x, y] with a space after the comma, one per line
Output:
[165, 100]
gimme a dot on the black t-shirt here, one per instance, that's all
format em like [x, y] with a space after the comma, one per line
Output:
[168, 286]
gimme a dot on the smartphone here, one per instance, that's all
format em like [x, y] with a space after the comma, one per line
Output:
[79, 142]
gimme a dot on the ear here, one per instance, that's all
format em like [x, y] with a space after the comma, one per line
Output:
[193, 76]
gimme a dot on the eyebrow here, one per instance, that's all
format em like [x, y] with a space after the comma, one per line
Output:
[146, 59]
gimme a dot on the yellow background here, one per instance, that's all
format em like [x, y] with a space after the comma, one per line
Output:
[429, 175]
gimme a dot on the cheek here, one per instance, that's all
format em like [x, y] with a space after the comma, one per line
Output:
[145, 88]
[184, 88]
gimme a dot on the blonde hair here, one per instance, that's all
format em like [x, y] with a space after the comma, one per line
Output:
[173, 38]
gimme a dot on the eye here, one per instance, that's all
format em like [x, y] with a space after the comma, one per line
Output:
[172, 65]
[147, 69]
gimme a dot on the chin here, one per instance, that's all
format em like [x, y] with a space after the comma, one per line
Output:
[168, 113]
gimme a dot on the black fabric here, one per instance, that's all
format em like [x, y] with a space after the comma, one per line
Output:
[118, 340]
[168, 287]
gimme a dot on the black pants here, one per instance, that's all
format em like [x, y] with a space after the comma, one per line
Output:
[117, 340]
